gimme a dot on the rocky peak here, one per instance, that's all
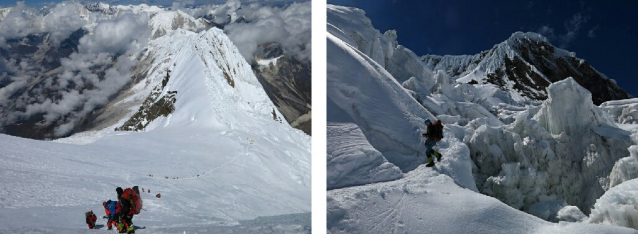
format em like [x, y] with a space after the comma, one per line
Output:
[526, 63]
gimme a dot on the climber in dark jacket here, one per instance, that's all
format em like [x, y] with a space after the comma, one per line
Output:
[433, 135]
[125, 219]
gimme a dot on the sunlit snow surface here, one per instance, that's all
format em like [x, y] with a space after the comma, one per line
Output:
[218, 161]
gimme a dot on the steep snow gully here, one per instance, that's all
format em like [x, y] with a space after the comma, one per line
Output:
[562, 165]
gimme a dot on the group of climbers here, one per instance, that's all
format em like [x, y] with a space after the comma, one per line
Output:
[119, 213]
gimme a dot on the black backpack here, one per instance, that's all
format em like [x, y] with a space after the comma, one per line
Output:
[435, 130]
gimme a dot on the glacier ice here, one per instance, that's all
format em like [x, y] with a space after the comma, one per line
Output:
[624, 111]
[566, 148]
[618, 206]
[625, 169]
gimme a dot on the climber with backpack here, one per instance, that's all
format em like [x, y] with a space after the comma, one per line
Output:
[90, 219]
[110, 208]
[130, 204]
[433, 135]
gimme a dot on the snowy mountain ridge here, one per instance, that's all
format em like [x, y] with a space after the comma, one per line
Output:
[229, 83]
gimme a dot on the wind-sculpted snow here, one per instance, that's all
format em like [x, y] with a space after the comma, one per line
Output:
[352, 160]
[618, 206]
[388, 116]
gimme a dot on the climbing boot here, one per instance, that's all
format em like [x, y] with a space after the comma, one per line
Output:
[438, 156]
[430, 162]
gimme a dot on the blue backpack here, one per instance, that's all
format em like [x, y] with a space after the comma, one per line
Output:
[111, 207]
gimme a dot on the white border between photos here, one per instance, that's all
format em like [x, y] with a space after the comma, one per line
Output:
[319, 115]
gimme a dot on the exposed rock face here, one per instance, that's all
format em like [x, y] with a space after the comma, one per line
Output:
[526, 63]
[101, 8]
[288, 84]
[154, 106]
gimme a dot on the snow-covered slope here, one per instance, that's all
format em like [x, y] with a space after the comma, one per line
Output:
[211, 79]
[353, 161]
[426, 201]
[222, 155]
[552, 159]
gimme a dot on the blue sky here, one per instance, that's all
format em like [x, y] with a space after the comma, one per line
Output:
[605, 33]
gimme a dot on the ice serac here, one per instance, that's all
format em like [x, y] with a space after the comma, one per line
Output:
[625, 169]
[353, 27]
[352, 160]
[569, 110]
[563, 150]
[623, 111]
[524, 65]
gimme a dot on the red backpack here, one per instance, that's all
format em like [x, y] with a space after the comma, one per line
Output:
[134, 197]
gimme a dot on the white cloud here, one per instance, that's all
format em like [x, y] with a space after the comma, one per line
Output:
[591, 32]
[289, 27]
[573, 26]
[62, 20]
[547, 31]
[128, 31]
[66, 98]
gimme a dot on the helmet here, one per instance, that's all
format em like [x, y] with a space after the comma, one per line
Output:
[427, 121]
